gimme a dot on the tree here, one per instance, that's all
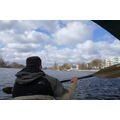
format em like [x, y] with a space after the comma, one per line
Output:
[89, 66]
[82, 66]
[66, 66]
[3, 63]
[61, 68]
[55, 66]
[96, 64]
[16, 65]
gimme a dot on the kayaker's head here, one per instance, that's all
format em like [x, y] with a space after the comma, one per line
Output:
[34, 61]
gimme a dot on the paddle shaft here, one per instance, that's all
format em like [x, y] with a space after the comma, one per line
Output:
[88, 76]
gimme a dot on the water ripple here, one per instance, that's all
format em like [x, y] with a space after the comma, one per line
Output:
[87, 89]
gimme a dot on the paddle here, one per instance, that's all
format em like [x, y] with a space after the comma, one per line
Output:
[108, 72]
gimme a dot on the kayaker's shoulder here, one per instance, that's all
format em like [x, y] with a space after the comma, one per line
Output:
[53, 81]
[50, 78]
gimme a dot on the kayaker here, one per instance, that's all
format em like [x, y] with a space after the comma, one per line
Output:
[32, 83]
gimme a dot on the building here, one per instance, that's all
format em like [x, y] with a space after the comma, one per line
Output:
[77, 66]
[111, 61]
[73, 67]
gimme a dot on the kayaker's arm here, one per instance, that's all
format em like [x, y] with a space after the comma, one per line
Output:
[70, 90]
[70, 94]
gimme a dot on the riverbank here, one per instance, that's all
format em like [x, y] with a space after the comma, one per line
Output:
[88, 70]
[57, 70]
[79, 70]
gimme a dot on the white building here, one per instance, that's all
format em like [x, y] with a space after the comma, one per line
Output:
[111, 61]
[77, 66]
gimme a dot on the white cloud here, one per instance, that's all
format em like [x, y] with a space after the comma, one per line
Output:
[20, 37]
[75, 32]
[19, 40]
[19, 26]
[83, 52]
[22, 47]
[26, 42]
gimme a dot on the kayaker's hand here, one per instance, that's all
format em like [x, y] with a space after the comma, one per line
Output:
[74, 79]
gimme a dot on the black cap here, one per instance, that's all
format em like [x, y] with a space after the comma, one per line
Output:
[33, 61]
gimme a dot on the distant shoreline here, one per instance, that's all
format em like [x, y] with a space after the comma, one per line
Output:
[60, 70]
[88, 70]
[83, 70]
[76, 70]
[10, 68]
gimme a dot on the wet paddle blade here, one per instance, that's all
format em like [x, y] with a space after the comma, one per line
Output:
[7, 90]
[109, 72]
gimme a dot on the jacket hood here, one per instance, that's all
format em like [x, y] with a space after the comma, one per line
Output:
[24, 77]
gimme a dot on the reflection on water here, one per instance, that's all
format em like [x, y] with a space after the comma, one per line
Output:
[87, 89]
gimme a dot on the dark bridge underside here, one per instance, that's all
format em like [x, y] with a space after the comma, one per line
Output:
[112, 26]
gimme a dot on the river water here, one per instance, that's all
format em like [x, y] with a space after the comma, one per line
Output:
[87, 89]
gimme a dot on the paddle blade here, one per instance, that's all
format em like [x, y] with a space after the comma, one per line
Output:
[109, 72]
[7, 90]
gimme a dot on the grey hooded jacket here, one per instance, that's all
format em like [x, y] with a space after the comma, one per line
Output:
[60, 93]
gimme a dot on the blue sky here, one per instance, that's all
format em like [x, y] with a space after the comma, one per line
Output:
[100, 34]
[61, 41]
